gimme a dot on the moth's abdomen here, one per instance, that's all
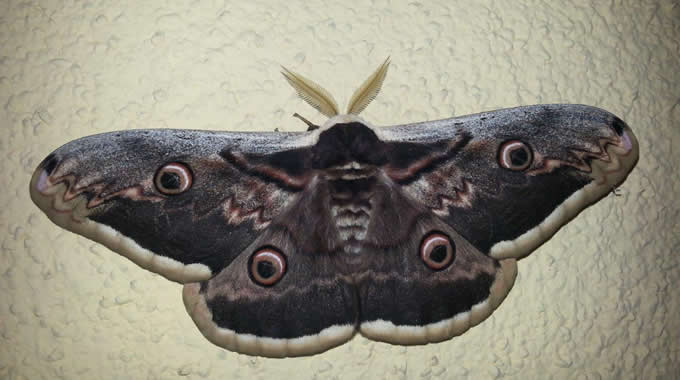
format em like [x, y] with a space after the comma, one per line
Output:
[350, 205]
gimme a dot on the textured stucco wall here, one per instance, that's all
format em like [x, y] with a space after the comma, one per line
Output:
[598, 301]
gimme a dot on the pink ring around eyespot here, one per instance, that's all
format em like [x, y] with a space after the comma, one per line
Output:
[506, 150]
[272, 256]
[186, 179]
[429, 244]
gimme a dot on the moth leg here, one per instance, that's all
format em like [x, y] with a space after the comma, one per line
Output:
[311, 126]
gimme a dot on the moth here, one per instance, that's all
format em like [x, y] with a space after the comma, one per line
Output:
[291, 243]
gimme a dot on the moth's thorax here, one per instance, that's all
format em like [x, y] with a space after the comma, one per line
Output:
[344, 144]
[349, 155]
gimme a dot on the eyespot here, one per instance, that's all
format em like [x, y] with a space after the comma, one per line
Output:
[173, 178]
[267, 266]
[437, 251]
[515, 155]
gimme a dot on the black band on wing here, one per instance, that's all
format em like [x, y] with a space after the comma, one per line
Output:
[500, 219]
[420, 303]
[172, 231]
[291, 311]
[412, 160]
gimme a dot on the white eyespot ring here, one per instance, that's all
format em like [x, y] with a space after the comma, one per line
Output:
[437, 251]
[173, 178]
[515, 155]
[267, 266]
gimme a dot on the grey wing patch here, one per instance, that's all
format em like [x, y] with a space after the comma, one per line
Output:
[103, 187]
[578, 154]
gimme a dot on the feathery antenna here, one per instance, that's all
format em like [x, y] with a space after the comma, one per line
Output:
[317, 97]
[312, 93]
[365, 94]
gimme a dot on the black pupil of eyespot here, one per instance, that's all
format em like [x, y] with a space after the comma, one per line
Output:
[438, 253]
[519, 156]
[170, 180]
[266, 269]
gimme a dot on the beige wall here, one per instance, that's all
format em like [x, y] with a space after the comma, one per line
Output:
[598, 301]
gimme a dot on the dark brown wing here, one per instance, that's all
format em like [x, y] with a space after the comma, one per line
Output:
[307, 307]
[108, 188]
[575, 155]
